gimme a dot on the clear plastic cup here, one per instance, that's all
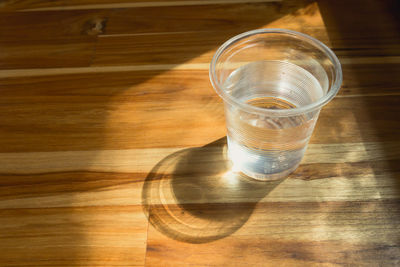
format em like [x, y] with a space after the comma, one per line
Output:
[273, 83]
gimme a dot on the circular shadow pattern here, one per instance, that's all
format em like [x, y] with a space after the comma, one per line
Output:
[194, 196]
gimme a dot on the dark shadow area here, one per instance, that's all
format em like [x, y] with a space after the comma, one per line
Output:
[372, 36]
[365, 37]
[193, 195]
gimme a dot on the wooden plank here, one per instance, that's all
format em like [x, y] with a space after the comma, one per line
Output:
[198, 46]
[92, 113]
[373, 32]
[174, 48]
[69, 36]
[51, 125]
[67, 189]
[121, 110]
[391, 61]
[164, 176]
[86, 236]
[40, 5]
[128, 160]
[364, 79]
[128, 47]
[47, 184]
[50, 25]
[93, 218]
[53, 39]
[362, 118]
[293, 234]
[69, 52]
[227, 17]
[104, 69]
[88, 107]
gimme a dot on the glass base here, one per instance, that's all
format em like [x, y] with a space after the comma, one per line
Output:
[263, 165]
[269, 177]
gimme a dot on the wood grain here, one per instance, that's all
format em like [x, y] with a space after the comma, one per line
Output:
[53, 39]
[40, 5]
[179, 43]
[113, 149]
[202, 18]
[44, 54]
[373, 32]
[119, 107]
[293, 234]
[66, 236]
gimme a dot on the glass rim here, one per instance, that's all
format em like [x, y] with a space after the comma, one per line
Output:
[277, 112]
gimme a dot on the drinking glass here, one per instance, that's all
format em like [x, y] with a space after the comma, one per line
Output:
[273, 83]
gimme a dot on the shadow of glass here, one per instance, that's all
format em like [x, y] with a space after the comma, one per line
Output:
[194, 196]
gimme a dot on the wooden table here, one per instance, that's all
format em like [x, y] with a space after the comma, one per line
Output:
[112, 140]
